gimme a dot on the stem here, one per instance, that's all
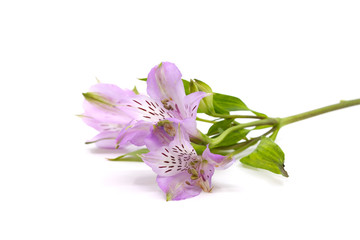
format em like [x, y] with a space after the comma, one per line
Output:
[242, 144]
[267, 121]
[205, 120]
[298, 117]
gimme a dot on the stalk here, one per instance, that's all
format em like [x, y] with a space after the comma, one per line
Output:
[301, 116]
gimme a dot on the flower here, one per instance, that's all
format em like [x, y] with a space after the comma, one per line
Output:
[167, 105]
[103, 113]
[181, 172]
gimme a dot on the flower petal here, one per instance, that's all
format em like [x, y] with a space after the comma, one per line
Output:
[112, 92]
[136, 132]
[191, 102]
[206, 173]
[141, 107]
[164, 82]
[158, 138]
[101, 106]
[219, 161]
[173, 159]
[105, 140]
[178, 187]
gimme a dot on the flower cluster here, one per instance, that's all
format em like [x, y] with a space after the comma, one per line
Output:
[163, 122]
[162, 125]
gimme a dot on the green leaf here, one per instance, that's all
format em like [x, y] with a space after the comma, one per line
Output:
[229, 103]
[198, 148]
[131, 156]
[219, 127]
[232, 138]
[223, 104]
[186, 86]
[267, 155]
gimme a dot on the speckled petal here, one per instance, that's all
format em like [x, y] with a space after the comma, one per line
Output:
[178, 187]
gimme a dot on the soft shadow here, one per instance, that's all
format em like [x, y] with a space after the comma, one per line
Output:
[219, 186]
[96, 150]
[265, 175]
[145, 180]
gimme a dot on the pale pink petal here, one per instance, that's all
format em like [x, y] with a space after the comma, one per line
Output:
[191, 103]
[135, 132]
[158, 138]
[112, 92]
[164, 82]
[105, 140]
[219, 161]
[173, 159]
[108, 112]
[178, 187]
[141, 107]
[206, 173]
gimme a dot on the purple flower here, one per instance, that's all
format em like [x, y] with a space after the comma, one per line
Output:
[181, 172]
[166, 107]
[103, 113]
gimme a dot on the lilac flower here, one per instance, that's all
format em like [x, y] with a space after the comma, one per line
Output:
[181, 172]
[103, 113]
[166, 106]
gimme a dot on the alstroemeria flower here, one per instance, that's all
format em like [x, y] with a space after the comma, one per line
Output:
[103, 113]
[166, 106]
[181, 172]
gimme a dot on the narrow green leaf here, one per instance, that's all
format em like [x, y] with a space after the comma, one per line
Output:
[232, 138]
[219, 127]
[186, 86]
[218, 109]
[259, 114]
[131, 156]
[223, 104]
[229, 103]
[142, 79]
[267, 155]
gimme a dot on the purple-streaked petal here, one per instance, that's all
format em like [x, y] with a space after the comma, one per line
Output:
[135, 132]
[158, 138]
[219, 161]
[206, 172]
[191, 103]
[106, 109]
[105, 140]
[189, 125]
[164, 82]
[102, 126]
[178, 187]
[112, 92]
[141, 107]
[173, 159]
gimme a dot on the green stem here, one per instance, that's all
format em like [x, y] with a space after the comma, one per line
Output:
[298, 117]
[205, 120]
[242, 144]
[267, 121]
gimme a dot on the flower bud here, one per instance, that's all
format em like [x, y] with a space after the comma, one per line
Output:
[206, 104]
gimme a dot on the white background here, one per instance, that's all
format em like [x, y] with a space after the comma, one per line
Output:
[279, 57]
